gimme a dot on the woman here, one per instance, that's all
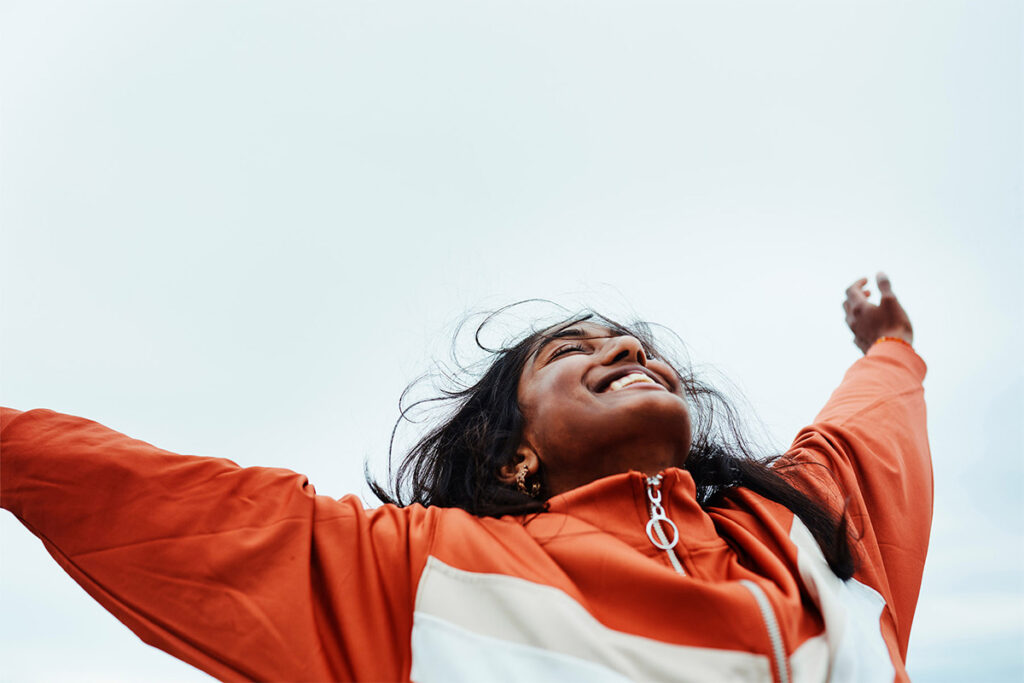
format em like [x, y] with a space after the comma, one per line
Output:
[581, 516]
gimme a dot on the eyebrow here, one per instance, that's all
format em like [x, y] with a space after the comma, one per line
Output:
[567, 333]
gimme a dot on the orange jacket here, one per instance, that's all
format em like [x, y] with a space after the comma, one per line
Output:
[246, 573]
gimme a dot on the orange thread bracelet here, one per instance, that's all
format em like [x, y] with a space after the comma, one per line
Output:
[895, 339]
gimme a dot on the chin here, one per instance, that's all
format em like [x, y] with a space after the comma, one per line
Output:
[661, 411]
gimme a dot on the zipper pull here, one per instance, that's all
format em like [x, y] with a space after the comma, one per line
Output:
[654, 530]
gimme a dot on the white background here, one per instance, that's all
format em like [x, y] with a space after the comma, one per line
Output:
[241, 228]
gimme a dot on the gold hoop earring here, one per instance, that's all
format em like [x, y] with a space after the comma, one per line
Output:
[521, 482]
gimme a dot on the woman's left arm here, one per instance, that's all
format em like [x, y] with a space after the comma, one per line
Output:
[871, 437]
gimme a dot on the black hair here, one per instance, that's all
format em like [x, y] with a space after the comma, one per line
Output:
[457, 462]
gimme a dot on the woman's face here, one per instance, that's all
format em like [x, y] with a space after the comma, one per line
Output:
[594, 404]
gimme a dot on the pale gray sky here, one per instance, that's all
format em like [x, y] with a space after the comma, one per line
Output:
[240, 228]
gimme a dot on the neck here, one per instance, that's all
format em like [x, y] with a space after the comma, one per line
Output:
[649, 459]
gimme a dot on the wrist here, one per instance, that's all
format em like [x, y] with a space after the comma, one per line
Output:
[907, 339]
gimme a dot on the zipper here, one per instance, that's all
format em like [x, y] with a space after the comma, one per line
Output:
[770, 623]
[657, 536]
[658, 516]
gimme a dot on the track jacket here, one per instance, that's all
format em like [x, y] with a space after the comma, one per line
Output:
[246, 573]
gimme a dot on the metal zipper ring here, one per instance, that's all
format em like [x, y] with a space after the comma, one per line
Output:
[656, 541]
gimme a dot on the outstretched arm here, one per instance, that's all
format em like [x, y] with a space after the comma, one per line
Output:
[244, 573]
[867, 451]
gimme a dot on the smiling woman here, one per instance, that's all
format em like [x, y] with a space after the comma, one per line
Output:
[586, 398]
[589, 510]
[598, 406]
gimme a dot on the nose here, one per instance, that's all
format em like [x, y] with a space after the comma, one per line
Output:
[625, 348]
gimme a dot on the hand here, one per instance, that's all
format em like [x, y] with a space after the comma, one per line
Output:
[868, 321]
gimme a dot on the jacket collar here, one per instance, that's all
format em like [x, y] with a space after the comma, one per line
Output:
[618, 505]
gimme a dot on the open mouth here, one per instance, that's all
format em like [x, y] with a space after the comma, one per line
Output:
[632, 379]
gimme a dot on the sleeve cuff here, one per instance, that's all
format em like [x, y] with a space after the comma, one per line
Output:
[901, 353]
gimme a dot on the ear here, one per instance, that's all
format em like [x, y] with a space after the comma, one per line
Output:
[525, 455]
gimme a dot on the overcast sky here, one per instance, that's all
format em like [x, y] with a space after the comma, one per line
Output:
[239, 229]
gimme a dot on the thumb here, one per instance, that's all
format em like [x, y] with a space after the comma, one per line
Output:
[884, 286]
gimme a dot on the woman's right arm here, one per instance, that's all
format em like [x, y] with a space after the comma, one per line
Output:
[244, 573]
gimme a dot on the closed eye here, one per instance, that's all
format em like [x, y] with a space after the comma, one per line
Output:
[568, 348]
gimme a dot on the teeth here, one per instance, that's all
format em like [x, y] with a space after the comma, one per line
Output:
[629, 379]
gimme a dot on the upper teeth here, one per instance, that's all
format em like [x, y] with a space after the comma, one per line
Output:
[629, 379]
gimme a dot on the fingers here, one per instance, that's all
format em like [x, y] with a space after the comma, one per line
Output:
[856, 290]
[884, 286]
[856, 297]
[856, 301]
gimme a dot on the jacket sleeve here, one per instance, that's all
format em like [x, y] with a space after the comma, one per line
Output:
[244, 573]
[871, 439]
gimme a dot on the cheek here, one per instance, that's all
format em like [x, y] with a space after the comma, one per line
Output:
[551, 412]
